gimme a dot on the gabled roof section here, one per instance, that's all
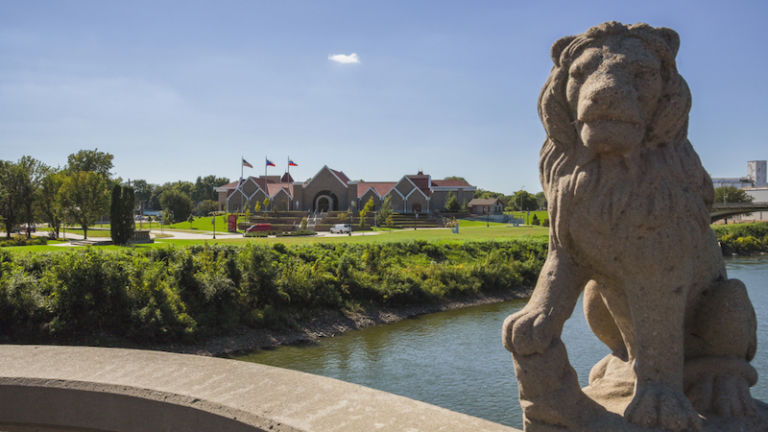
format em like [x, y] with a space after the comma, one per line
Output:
[340, 176]
[415, 187]
[421, 181]
[380, 188]
[286, 178]
[274, 188]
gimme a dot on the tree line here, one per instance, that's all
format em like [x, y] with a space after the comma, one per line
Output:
[523, 200]
[80, 193]
[519, 201]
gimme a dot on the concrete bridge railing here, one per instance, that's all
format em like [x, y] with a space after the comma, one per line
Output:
[726, 210]
[54, 388]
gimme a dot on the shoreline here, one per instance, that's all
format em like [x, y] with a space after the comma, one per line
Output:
[329, 324]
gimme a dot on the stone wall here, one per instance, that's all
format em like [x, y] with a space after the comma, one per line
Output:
[50, 388]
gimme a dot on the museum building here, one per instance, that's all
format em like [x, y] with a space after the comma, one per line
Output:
[331, 190]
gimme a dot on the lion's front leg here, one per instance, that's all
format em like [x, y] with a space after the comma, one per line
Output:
[658, 312]
[532, 329]
[721, 342]
[548, 385]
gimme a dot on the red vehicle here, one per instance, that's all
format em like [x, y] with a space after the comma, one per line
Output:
[259, 227]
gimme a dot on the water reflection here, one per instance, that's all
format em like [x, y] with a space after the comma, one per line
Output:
[455, 359]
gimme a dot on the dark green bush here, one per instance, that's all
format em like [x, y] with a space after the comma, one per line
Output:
[169, 294]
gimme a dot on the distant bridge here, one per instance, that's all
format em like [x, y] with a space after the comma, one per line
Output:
[726, 210]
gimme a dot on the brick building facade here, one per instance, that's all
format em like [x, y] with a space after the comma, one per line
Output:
[331, 189]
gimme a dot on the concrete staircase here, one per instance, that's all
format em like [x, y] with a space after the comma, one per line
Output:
[406, 220]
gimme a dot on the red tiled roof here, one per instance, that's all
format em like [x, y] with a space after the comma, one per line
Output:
[341, 175]
[230, 185]
[444, 182]
[421, 182]
[274, 188]
[381, 188]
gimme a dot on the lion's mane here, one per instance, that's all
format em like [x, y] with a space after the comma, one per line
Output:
[571, 172]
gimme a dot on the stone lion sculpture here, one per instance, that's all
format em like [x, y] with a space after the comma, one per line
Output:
[629, 206]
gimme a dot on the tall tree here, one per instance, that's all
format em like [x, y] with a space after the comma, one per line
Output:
[541, 201]
[522, 201]
[142, 192]
[91, 160]
[178, 203]
[121, 214]
[731, 194]
[204, 188]
[11, 208]
[85, 197]
[18, 185]
[30, 173]
[49, 203]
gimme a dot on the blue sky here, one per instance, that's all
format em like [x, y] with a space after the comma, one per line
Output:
[177, 89]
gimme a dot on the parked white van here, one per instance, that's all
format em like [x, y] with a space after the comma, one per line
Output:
[341, 229]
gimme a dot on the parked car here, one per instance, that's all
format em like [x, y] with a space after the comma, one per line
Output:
[24, 228]
[258, 227]
[341, 229]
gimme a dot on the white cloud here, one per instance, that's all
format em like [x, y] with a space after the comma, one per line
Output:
[344, 58]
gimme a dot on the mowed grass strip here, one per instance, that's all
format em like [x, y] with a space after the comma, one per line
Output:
[469, 232]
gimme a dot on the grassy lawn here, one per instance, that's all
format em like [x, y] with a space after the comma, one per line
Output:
[199, 224]
[523, 215]
[467, 232]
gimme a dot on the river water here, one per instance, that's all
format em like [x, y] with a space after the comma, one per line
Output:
[455, 359]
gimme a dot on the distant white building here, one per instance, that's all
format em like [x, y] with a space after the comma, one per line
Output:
[755, 178]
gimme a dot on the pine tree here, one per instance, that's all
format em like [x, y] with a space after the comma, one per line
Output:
[121, 214]
[452, 203]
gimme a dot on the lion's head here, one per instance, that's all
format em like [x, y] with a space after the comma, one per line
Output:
[615, 100]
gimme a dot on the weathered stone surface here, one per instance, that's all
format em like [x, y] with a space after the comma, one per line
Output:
[629, 209]
[51, 388]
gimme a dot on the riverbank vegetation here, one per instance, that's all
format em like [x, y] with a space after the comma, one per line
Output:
[168, 295]
[742, 239]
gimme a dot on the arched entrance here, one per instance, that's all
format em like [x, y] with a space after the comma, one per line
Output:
[325, 201]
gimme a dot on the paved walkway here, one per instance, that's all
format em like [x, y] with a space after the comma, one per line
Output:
[186, 235]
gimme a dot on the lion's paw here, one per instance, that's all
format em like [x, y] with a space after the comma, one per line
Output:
[724, 395]
[529, 331]
[658, 406]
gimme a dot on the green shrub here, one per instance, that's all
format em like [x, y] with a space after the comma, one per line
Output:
[20, 240]
[168, 294]
[742, 239]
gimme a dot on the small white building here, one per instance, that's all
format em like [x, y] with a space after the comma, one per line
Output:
[486, 206]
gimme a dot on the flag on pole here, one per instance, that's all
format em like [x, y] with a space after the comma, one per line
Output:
[246, 163]
[292, 163]
[269, 163]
